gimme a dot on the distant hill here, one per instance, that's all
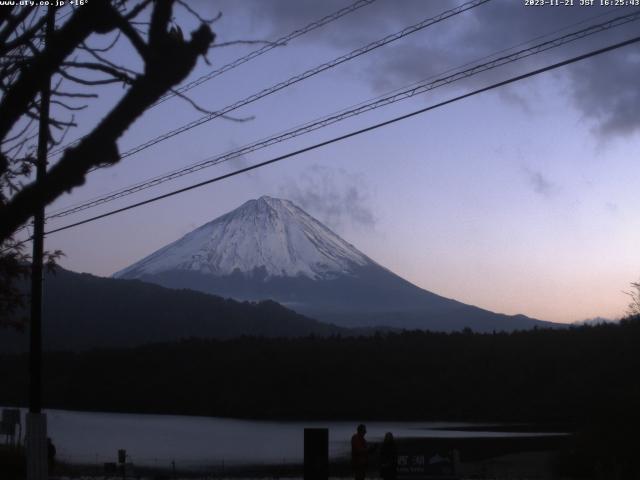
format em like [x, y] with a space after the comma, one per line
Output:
[271, 248]
[82, 311]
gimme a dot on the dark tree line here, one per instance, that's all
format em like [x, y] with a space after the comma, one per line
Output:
[561, 376]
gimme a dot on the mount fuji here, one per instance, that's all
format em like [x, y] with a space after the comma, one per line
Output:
[270, 248]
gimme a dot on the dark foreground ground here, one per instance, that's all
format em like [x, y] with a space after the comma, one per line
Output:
[552, 457]
[582, 380]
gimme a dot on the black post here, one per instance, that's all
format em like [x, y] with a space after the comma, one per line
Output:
[316, 454]
[37, 446]
[35, 357]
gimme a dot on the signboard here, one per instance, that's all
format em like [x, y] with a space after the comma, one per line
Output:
[430, 465]
[409, 465]
[11, 416]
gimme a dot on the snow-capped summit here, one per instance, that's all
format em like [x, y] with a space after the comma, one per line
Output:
[269, 235]
[271, 249]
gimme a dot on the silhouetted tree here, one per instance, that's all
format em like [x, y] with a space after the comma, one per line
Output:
[633, 309]
[71, 62]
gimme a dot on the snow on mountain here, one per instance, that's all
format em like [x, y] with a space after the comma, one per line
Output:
[268, 234]
[271, 249]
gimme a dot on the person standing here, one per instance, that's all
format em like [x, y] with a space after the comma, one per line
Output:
[359, 453]
[388, 458]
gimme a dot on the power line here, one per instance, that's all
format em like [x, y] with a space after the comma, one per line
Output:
[305, 75]
[308, 74]
[210, 161]
[415, 89]
[250, 56]
[357, 132]
[264, 49]
[343, 137]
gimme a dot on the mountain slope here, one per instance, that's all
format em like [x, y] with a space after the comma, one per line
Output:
[83, 311]
[270, 248]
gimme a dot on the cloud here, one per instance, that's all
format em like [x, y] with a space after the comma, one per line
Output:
[406, 64]
[240, 162]
[611, 207]
[540, 183]
[603, 89]
[512, 96]
[607, 91]
[351, 31]
[338, 198]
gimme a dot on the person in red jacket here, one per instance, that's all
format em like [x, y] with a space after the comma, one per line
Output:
[359, 452]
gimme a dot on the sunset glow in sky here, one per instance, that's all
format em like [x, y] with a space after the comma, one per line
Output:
[520, 200]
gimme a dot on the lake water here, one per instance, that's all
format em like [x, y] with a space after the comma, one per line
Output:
[157, 440]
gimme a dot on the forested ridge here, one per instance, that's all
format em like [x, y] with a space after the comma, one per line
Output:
[550, 375]
[82, 311]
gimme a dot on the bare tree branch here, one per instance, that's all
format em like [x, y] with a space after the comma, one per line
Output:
[19, 134]
[633, 308]
[21, 40]
[168, 64]
[209, 112]
[84, 46]
[103, 60]
[137, 9]
[83, 81]
[211, 21]
[115, 72]
[92, 17]
[69, 107]
[74, 95]
[12, 22]
[134, 37]
[167, 58]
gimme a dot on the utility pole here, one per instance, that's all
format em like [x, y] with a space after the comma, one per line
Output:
[37, 446]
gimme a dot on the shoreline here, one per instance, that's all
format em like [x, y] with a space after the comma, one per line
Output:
[475, 425]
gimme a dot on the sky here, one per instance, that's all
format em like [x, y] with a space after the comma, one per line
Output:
[519, 200]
